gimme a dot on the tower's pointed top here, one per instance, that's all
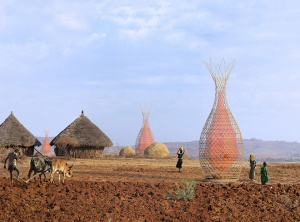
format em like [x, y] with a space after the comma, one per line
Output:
[82, 114]
[220, 72]
[221, 69]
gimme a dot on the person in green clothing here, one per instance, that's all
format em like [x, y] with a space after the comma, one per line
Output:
[264, 174]
[180, 154]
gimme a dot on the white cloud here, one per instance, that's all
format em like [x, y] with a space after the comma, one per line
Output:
[97, 83]
[192, 79]
[134, 33]
[170, 37]
[67, 52]
[13, 53]
[170, 21]
[95, 37]
[150, 81]
[71, 21]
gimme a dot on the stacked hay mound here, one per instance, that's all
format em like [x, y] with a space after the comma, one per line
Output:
[157, 150]
[127, 151]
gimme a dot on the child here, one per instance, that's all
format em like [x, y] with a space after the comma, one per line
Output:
[264, 174]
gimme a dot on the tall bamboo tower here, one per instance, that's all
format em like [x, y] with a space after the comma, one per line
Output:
[221, 147]
[145, 137]
[46, 148]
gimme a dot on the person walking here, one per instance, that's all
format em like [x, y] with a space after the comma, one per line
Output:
[180, 154]
[12, 163]
[264, 174]
[252, 167]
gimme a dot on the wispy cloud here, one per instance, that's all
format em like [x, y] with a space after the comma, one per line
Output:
[71, 21]
[12, 53]
[150, 81]
[95, 37]
[109, 50]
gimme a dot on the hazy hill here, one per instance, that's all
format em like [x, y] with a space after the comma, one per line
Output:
[263, 150]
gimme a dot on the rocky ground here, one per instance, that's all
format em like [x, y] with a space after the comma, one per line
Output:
[114, 189]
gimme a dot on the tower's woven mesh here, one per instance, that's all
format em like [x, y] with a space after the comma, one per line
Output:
[145, 137]
[221, 147]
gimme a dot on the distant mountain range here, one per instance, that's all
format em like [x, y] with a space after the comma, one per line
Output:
[263, 150]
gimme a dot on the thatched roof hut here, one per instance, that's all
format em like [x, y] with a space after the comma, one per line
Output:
[14, 134]
[157, 150]
[81, 139]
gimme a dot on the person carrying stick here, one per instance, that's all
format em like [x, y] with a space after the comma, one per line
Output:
[12, 163]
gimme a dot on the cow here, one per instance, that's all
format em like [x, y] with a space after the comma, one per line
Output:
[39, 165]
[60, 167]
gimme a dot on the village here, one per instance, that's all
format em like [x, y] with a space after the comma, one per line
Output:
[144, 182]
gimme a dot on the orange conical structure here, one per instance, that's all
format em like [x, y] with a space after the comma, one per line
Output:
[221, 147]
[145, 137]
[46, 148]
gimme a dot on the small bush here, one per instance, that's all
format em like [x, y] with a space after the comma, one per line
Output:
[286, 200]
[185, 191]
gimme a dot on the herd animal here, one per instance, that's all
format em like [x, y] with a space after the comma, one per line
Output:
[42, 165]
[39, 165]
[60, 167]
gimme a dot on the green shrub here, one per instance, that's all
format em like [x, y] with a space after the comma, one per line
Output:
[286, 200]
[185, 191]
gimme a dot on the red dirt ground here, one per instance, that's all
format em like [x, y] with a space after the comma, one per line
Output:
[136, 190]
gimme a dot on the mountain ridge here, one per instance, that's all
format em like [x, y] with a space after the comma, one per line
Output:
[263, 150]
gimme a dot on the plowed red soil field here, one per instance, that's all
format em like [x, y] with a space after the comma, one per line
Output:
[115, 189]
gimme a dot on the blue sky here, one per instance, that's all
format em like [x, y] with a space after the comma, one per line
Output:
[109, 58]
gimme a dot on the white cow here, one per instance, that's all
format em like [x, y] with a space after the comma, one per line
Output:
[61, 167]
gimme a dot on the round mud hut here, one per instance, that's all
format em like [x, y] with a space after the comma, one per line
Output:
[157, 150]
[127, 151]
[14, 135]
[81, 139]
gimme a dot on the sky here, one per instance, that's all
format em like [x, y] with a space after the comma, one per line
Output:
[113, 59]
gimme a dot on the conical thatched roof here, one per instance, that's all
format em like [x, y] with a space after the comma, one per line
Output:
[14, 134]
[82, 133]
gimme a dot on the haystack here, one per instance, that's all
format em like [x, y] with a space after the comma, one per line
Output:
[14, 135]
[81, 139]
[127, 151]
[157, 150]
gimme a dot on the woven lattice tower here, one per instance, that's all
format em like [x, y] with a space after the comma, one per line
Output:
[221, 147]
[145, 137]
[46, 148]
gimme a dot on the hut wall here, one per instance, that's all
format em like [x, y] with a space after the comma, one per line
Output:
[59, 152]
[3, 153]
[87, 152]
[28, 151]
